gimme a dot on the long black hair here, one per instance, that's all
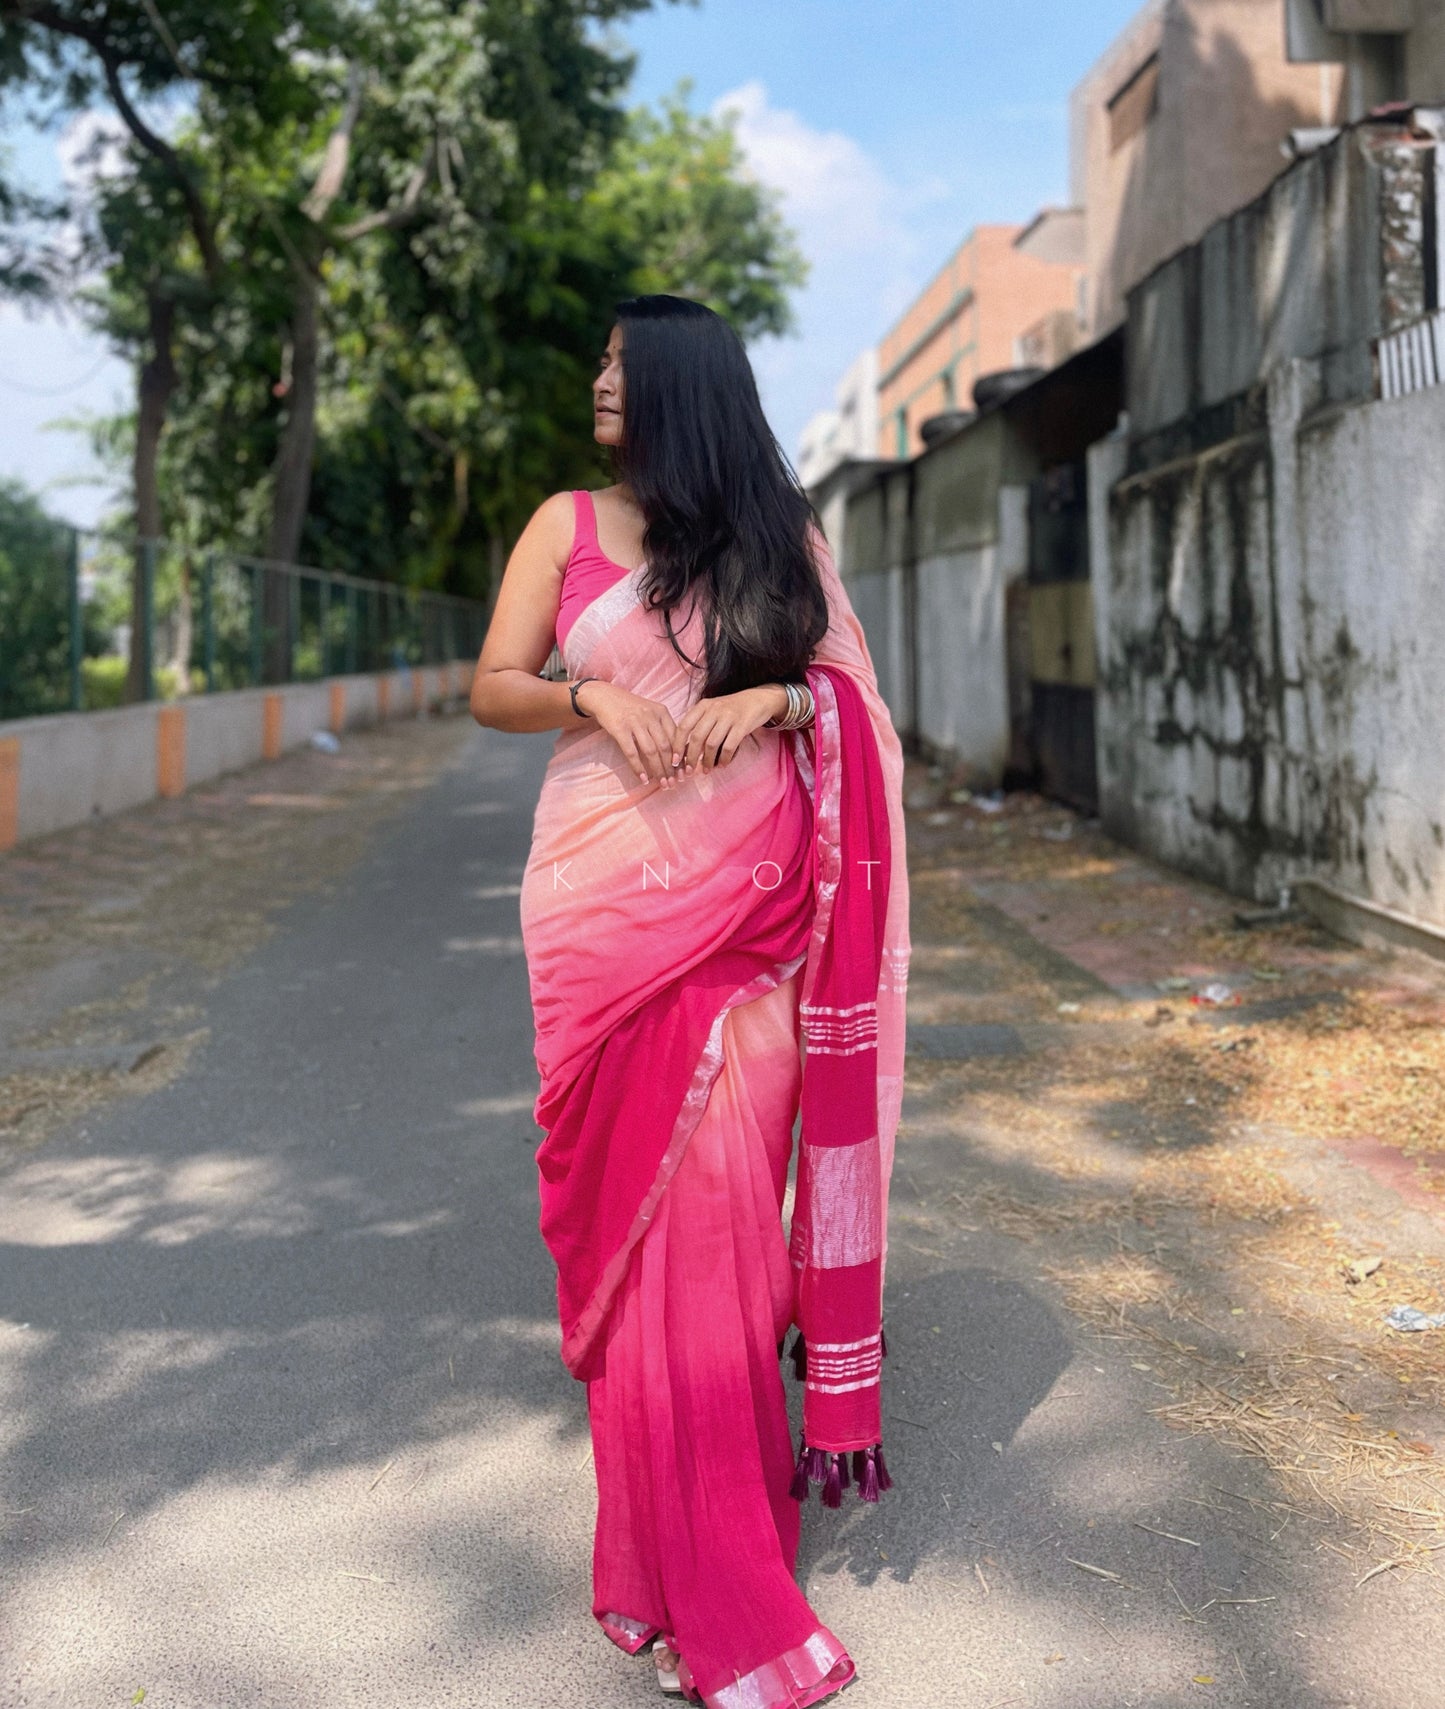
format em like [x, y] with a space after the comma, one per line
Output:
[726, 519]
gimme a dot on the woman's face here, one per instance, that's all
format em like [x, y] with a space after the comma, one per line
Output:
[607, 394]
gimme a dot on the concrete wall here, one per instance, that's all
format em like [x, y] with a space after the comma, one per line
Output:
[1388, 50]
[933, 554]
[876, 566]
[963, 553]
[1271, 630]
[1425, 53]
[1319, 266]
[73, 766]
[1268, 546]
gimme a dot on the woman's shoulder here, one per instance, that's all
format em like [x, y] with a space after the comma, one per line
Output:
[551, 528]
[562, 511]
[558, 508]
[565, 519]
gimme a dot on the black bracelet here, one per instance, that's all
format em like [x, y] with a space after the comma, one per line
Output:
[572, 688]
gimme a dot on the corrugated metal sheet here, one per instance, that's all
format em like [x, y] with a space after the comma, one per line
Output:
[1413, 358]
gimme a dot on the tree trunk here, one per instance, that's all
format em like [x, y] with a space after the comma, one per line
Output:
[294, 455]
[157, 383]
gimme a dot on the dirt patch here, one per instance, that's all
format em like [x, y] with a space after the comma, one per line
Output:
[1151, 1148]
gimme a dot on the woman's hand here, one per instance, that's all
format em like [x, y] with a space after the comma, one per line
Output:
[710, 732]
[643, 729]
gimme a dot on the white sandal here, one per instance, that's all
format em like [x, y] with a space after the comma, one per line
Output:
[669, 1683]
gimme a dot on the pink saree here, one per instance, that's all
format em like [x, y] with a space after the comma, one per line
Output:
[702, 960]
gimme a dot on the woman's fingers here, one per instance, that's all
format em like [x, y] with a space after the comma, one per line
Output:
[627, 741]
[683, 733]
[708, 735]
[656, 738]
[730, 745]
[647, 736]
[656, 747]
[667, 743]
[702, 743]
[722, 743]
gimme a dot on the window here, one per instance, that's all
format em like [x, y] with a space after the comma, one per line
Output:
[1133, 105]
[902, 436]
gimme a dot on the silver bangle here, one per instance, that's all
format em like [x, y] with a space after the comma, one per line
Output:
[800, 709]
[779, 721]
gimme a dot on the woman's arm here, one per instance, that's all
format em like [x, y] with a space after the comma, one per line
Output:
[507, 691]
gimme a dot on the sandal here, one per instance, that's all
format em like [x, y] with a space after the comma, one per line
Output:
[668, 1681]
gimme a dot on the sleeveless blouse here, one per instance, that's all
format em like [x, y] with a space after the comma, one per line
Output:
[588, 572]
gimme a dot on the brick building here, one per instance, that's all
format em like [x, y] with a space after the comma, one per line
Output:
[966, 322]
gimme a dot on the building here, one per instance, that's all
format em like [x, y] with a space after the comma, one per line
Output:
[1058, 236]
[1191, 574]
[1187, 116]
[848, 431]
[1188, 574]
[965, 323]
[1389, 50]
[968, 569]
[1266, 562]
[1192, 112]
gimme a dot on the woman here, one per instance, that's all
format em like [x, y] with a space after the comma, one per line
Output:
[716, 877]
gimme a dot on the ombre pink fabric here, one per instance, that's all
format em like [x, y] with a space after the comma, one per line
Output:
[696, 1533]
[670, 937]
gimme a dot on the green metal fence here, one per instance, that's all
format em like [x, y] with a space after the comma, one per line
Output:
[208, 620]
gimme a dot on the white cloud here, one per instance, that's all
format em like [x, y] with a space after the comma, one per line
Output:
[835, 194]
[854, 224]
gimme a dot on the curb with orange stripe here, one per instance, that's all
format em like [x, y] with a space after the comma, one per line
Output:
[170, 733]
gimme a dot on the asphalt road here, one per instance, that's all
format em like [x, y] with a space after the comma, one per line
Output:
[283, 1422]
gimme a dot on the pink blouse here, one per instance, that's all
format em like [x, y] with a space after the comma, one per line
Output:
[588, 572]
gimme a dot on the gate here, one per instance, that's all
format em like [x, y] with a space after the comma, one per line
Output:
[1061, 637]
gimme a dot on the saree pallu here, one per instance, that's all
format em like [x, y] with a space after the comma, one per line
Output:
[676, 939]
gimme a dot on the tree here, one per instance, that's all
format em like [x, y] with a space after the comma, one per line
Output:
[418, 255]
[411, 143]
[448, 113]
[70, 56]
[453, 370]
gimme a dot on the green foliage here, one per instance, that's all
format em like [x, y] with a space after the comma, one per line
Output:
[680, 204]
[59, 56]
[35, 608]
[103, 683]
[493, 201]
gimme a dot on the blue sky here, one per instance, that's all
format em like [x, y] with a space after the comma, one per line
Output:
[889, 129]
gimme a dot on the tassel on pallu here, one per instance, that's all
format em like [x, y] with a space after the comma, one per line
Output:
[869, 1472]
